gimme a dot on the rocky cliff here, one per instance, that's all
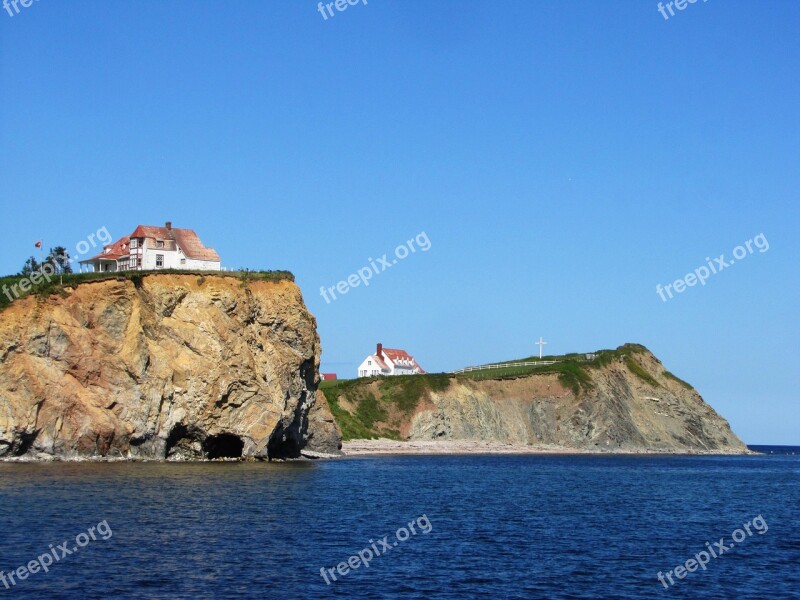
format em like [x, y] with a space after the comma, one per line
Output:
[163, 366]
[622, 400]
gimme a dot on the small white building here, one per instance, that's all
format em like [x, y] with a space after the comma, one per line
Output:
[149, 248]
[387, 361]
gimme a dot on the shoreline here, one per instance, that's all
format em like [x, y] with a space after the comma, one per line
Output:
[387, 447]
[383, 446]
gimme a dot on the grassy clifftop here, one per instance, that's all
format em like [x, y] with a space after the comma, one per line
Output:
[378, 406]
[574, 370]
[10, 286]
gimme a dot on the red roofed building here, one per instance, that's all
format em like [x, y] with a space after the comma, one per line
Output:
[149, 248]
[387, 361]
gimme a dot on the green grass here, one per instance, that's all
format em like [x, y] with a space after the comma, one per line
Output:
[405, 391]
[638, 370]
[626, 353]
[352, 428]
[688, 386]
[572, 356]
[570, 372]
[572, 369]
[46, 288]
[361, 424]
[369, 411]
[604, 357]
[401, 393]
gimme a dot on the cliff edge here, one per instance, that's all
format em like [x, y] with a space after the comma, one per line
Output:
[617, 400]
[163, 366]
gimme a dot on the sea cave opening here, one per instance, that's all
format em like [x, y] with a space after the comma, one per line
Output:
[223, 445]
[282, 448]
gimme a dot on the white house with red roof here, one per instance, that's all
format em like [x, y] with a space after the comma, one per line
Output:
[149, 248]
[387, 361]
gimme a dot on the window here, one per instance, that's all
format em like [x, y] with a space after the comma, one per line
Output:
[159, 243]
[183, 261]
[159, 261]
[369, 362]
[133, 243]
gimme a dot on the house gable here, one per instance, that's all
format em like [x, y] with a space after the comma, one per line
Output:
[150, 248]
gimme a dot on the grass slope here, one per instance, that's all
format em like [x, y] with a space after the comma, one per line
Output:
[376, 407]
[54, 286]
[373, 417]
[572, 369]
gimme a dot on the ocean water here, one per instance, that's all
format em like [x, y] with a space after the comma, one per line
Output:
[483, 527]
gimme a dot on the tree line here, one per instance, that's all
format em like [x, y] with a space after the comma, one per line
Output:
[58, 259]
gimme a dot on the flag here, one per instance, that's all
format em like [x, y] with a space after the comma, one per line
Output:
[38, 244]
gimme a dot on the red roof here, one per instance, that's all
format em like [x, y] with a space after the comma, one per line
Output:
[118, 249]
[328, 376]
[187, 240]
[397, 355]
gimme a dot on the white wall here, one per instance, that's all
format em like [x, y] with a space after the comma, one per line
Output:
[173, 258]
[202, 265]
[375, 369]
[149, 259]
[371, 369]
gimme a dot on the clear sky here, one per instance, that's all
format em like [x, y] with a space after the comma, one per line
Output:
[562, 158]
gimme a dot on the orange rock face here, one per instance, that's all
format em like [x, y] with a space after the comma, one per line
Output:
[176, 366]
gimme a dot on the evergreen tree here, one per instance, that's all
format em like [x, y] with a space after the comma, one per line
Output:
[59, 259]
[31, 265]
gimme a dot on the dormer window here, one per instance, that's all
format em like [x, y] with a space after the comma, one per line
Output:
[159, 243]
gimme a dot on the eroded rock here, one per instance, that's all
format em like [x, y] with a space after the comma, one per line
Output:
[176, 367]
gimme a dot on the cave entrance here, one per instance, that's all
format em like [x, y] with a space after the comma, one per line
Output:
[282, 448]
[223, 445]
[184, 443]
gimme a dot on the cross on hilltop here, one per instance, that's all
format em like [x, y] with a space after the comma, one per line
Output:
[540, 343]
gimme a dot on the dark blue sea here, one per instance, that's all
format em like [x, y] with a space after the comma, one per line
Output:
[551, 526]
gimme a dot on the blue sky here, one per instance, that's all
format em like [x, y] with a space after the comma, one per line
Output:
[562, 158]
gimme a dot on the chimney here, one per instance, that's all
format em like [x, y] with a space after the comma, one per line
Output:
[169, 225]
[379, 352]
